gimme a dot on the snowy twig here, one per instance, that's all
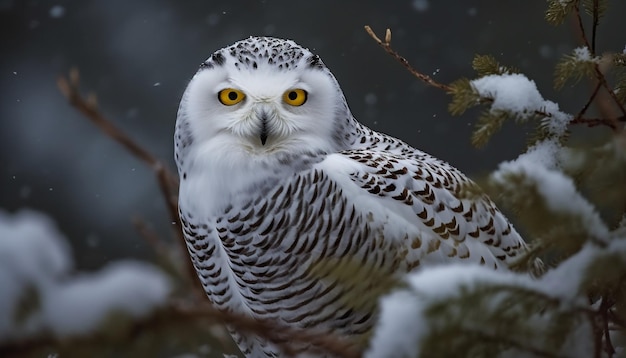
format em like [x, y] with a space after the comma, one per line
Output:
[168, 183]
[386, 45]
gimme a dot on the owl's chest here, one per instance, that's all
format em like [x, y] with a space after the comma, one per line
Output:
[269, 249]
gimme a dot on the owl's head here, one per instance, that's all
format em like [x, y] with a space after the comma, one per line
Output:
[262, 96]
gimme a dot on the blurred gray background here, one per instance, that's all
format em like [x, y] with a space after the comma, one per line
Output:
[138, 56]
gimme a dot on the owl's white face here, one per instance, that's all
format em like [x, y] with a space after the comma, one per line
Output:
[263, 99]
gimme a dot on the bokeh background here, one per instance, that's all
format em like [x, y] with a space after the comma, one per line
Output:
[137, 56]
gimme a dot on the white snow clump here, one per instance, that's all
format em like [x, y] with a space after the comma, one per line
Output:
[38, 293]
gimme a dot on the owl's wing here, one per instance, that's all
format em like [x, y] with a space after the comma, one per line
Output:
[425, 202]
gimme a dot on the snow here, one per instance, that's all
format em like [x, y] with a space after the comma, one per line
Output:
[515, 93]
[83, 303]
[400, 327]
[403, 323]
[32, 254]
[512, 92]
[582, 54]
[35, 267]
[539, 167]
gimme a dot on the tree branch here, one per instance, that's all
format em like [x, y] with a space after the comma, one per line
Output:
[191, 313]
[386, 45]
[581, 27]
[594, 27]
[168, 183]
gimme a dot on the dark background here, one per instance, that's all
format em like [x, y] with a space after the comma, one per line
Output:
[138, 56]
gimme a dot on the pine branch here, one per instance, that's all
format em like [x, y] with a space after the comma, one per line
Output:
[168, 183]
[386, 45]
[486, 65]
[558, 11]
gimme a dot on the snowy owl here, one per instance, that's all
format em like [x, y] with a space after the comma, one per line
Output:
[283, 192]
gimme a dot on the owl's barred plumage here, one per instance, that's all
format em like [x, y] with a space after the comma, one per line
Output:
[278, 198]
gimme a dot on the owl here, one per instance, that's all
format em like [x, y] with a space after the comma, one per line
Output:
[296, 213]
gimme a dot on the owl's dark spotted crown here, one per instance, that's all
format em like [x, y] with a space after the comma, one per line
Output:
[256, 51]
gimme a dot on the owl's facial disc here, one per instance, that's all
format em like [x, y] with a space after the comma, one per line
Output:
[264, 97]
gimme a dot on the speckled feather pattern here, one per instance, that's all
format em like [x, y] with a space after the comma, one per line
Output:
[267, 230]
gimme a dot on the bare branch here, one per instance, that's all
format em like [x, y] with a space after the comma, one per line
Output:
[594, 93]
[594, 28]
[168, 182]
[594, 122]
[386, 45]
[581, 27]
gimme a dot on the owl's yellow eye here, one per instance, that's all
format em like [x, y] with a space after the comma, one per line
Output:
[230, 96]
[295, 97]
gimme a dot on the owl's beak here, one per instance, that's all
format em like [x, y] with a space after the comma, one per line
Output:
[263, 115]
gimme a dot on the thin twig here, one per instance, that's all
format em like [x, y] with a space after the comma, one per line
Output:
[386, 45]
[594, 27]
[151, 237]
[594, 122]
[89, 108]
[594, 93]
[581, 27]
[605, 307]
[168, 183]
[600, 76]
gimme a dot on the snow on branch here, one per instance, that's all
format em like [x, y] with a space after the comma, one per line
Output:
[539, 169]
[460, 310]
[44, 303]
[516, 94]
[40, 294]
